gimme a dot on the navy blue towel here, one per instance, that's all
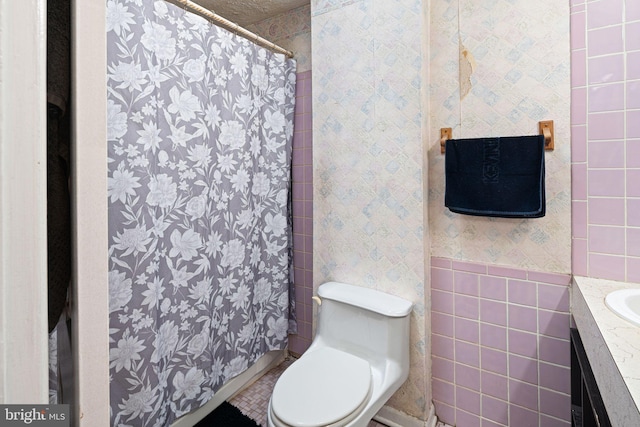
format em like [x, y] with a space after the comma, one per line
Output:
[499, 177]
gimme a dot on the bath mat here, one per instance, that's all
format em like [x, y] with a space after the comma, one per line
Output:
[227, 415]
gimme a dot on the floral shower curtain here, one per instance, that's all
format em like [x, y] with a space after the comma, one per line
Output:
[200, 125]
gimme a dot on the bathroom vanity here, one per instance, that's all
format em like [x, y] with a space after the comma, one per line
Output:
[605, 358]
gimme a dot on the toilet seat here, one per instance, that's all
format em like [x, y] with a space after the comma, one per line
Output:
[321, 389]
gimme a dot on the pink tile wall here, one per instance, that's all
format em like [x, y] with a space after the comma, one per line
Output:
[605, 113]
[302, 214]
[500, 345]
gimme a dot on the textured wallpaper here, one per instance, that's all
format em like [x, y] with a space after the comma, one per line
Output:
[369, 177]
[497, 68]
[292, 31]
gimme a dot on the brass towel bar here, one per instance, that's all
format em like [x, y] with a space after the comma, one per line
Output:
[544, 128]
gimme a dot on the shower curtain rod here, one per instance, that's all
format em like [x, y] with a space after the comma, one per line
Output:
[232, 26]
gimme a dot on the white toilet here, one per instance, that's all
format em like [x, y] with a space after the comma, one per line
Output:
[358, 359]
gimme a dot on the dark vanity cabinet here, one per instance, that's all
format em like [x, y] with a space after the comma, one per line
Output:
[587, 408]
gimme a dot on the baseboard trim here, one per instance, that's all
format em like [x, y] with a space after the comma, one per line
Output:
[393, 418]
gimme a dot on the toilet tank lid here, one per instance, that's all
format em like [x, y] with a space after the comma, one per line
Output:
[369, 299]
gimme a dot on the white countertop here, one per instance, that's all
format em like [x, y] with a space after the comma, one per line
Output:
[612, 345]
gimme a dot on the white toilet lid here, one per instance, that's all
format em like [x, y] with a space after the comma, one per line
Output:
[321, 388]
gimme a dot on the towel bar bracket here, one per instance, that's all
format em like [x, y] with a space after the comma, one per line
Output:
[445, 133]
[546, 128]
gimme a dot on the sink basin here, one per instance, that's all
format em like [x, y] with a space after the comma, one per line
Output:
[626, 304]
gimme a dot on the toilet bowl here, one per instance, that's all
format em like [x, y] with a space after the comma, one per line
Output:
[357, 360]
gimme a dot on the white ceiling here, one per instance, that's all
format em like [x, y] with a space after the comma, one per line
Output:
[245, 12]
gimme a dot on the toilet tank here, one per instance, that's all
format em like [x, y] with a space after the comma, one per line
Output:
[365, 322]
